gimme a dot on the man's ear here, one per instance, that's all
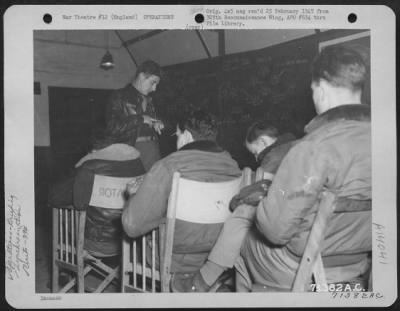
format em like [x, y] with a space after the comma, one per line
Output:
[178, 130]
[324, 87]
[140, 76]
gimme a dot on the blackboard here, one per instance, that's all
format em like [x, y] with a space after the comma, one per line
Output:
[271, 84]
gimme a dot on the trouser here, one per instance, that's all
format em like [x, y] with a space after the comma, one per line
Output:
[149, 152]
[265, 268]
[262, 267]
[227, 247]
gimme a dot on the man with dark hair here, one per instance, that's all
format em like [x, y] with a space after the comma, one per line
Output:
[334, 156]
[136, 101]
[268, 145]
[199, 158]
[114, 155]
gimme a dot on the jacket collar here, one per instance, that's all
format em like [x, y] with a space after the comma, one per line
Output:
[114, 152]
[357, 112]
[202, 145]
[132, 91]
[282, 139]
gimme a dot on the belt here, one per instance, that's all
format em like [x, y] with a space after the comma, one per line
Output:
[145, 138]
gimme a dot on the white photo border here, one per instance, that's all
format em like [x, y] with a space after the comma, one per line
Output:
[19, 23]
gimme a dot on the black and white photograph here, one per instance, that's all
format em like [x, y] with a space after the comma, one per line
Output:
[200, 156]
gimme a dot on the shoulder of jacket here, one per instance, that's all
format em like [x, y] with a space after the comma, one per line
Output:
[337, 128]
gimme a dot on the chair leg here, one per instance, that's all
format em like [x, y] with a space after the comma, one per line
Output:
[108, 280]
[55, 276]
[80, 276]
[124, 263]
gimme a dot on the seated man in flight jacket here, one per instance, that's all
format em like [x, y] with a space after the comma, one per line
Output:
[198, 158]
[113, 155]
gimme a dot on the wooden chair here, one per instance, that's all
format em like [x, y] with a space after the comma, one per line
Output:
[69, 251]
[140, 259]
[141, 262]
[260, 174]
[311, 261]
[198, 202]
[311, 264]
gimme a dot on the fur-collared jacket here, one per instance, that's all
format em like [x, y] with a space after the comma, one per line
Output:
[199, 160]
[335, 156]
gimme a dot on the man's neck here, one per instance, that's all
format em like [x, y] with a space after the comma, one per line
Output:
[344, 97]
[273, 140]
[135, 84]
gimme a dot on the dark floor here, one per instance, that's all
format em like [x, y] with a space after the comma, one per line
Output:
[43, 253]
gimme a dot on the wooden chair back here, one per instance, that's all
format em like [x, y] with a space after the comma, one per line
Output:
[311, 261]
[69, 253]
[140, 257]
[198, 202]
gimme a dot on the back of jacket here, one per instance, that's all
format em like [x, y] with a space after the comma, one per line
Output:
[103, 230]
[335, 156]
[202, 161]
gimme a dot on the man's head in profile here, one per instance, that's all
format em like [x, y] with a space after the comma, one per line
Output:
[338, 76]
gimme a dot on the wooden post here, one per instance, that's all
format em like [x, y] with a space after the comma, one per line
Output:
[80, 251]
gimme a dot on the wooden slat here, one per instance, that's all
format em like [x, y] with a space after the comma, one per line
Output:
[80, 251]
[126, 249]
[66, 265]
[153, 260]
[314, 243]
[162, 242]
[65, 248]
[72, 283]
[144, 262]
[319, 275]
[113, 274]
[73, 250]
[97, 262]
[147, 271]
[66, 227]
[170, 229]
[134, 263]
[61, 232]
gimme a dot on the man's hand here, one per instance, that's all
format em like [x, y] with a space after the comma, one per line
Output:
[148, 120]
[158, 125]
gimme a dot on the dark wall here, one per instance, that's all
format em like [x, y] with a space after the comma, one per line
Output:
[76, 116]
[271, 83]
